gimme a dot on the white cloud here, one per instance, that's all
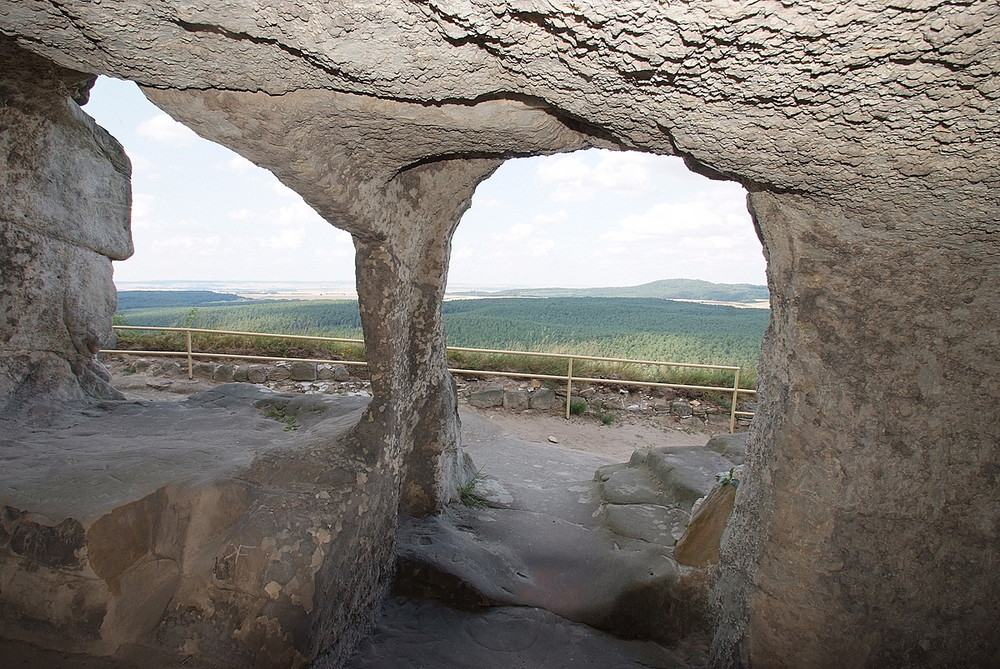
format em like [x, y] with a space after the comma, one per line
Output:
[540, 246]
[286, 240]
[189, 244]
[243, 214]
[519, 231]
[701, 217]
[666, 219]
[563, 167]
[283, 190]
[143, 168]
[558, 217]
[143, 206]
[162, 128]
[297, 213]
[485, 202]
[335, 252]
[580, 177]
[703, 237]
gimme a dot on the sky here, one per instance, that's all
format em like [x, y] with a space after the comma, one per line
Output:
[202, 213]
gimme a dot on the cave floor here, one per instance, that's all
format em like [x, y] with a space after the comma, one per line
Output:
[541, 552]
[543, 519]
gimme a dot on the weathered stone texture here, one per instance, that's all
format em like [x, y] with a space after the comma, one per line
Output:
[254, 546]
[64, 215]
[866, 132]
[874, 469]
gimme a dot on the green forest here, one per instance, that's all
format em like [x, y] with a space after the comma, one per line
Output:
[137, 299]
[638, 328]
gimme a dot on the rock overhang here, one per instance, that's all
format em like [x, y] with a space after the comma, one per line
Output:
[785, 97]
[865, 132]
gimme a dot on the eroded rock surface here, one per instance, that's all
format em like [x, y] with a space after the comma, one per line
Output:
[65, 201]
[866, 132]
[593, 549]
[237, 528]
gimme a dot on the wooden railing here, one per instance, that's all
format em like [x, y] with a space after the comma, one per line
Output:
[734, 390]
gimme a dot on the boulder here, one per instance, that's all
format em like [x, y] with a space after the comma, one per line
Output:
[550, 540]
[302, 371]
[167, 368]
[279, 372]
[733, 447]
[515, 400]
[256, 373]
[140, 365]
[328, 372]
[204, 370]
[65, 202]
[681, 409]
[121, 540]
[486, 399]
[224, 373]
[678, 474]
[542, 399]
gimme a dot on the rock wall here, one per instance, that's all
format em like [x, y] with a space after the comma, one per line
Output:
[254, 546]
[856, 545]
[866, 132]
[65, 200]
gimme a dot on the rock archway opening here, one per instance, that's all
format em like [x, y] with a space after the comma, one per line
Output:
[203, 216]
[863, 536]
[597, 218]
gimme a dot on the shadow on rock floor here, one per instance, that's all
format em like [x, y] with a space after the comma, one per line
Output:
[559, 554]
[416, 635]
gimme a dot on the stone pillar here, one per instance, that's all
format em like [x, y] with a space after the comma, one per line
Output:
[65, 199]
[398, 176]
[865, 533]
[401, 283]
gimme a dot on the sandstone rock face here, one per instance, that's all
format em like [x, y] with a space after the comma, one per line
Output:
[590, 551]
[866, 132]
[65, 200]
[699, 547]
[248, 545]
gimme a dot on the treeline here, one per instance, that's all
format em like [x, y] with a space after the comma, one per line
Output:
[612, 327]
[668, 289]
[304, 317]
[158, 299]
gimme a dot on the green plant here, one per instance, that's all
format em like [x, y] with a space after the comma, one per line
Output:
[279, 415]
[725, 478]
[608, 418]
[467, 494]
[578, 407]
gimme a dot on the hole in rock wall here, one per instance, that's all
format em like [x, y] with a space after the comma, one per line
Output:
[205, 218]
[611, 224]
[604, 218]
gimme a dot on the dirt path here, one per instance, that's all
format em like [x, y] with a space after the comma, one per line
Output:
[587, 433]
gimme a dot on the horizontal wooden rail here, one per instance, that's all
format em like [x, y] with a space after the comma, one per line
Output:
[569, 378]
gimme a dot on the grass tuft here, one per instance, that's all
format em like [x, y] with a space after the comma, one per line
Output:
[467, 494]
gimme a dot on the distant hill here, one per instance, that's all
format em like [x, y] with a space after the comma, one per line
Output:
[154, 299]
[667, 289]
